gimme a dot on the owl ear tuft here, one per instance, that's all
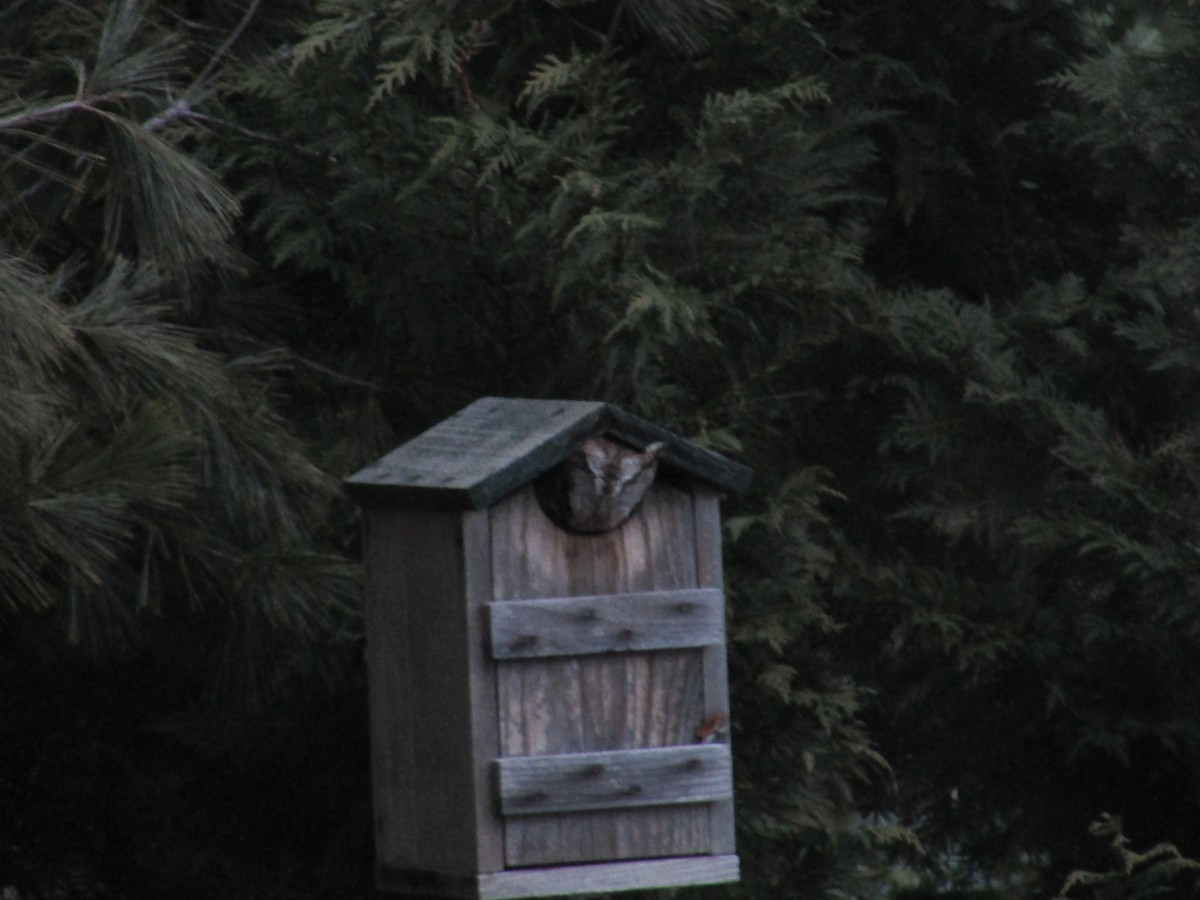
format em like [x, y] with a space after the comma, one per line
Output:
[597, 454]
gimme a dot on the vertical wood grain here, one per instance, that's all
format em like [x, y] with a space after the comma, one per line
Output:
[484, 725]
[710, 573]
[602, 701]
[420, 692]
[390, 693]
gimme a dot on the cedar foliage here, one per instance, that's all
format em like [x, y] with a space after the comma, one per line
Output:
[1159, 870]
[929, 268]
[1035, 593]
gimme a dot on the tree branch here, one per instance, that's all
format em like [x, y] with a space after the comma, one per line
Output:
[183, 108]
[237, 32]
[29, 117]
[615, 24]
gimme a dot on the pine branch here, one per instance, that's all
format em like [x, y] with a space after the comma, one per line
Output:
[38, 114]
[615, 25]
[183, 107]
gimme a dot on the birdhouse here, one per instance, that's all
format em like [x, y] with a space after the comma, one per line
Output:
[546, 655]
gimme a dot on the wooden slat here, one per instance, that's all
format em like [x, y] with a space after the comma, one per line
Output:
[716, 678]
[484, 725]
[606, 877]
[569, 626]
[601, 701]
[555, 881]
[617, 779]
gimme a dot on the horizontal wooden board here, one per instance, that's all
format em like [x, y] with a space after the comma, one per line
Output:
[553, 881]
[604, 877]
[615, 779]
[569, 626]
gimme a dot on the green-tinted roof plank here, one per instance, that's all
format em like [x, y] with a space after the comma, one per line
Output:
[496, 445]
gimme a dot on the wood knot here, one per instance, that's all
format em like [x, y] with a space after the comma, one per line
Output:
[533, 798]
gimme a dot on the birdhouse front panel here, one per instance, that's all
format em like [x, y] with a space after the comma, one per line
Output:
[617, 652]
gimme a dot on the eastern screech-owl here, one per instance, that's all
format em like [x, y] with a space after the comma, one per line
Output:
[598, 485]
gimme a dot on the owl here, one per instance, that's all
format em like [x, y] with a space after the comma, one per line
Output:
[598, 485]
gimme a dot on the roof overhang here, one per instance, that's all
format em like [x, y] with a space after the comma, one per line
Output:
[498, 444]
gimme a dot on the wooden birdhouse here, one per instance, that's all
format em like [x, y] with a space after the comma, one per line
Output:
[546, 655]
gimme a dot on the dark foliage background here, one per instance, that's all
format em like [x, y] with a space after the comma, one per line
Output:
[930, 268]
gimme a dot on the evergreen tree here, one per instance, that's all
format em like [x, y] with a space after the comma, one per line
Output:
[1028, 597]
[163, 532]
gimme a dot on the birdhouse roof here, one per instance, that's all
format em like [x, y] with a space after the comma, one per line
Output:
[498, 444]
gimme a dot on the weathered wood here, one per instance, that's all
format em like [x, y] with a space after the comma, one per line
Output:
[710, 574]
[574, 704]
[599, 701]
[615, 779]
[561, 880]
[571, 705]
[390, 691]
[602, 878]
[418, 679]
[653, 551]
[497, 445]
[477, 455]
[648, 620]
[485, 726]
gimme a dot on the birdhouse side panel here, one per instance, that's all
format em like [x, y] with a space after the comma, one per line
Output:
[600, 701]
[419, 692]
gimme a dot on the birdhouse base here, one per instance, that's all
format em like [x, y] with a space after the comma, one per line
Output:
[556, 881]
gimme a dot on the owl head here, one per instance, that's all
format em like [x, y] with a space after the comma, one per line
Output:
[599, 485]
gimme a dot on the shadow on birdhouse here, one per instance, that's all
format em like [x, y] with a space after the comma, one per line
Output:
[546, 655]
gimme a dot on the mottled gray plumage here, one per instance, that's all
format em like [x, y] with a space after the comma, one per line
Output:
[598, 485]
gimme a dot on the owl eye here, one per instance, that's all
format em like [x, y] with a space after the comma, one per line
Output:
[600, 469]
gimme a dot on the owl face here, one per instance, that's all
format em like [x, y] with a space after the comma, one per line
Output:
[602, 483]
[613, 467]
